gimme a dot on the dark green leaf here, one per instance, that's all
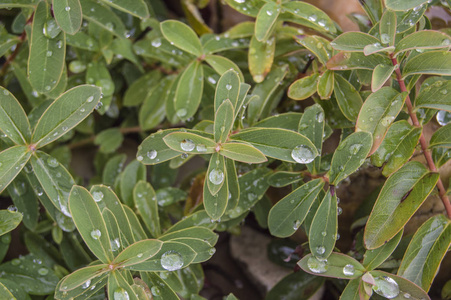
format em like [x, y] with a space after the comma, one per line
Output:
[373, 258]
[396, 287]
[147, 206]
[295, 286]
[109, 140]
[137, 8]
[189, 91]
[141, 88]
[425, 39]
[351, 291]
[153, 149]
[133, 173]
[9, 220]
[348, 98]
[307, 15]
[249, 8]
[82, 276]
[13, 120]
[353, 41]
[103, 16]
[113, 168]
[152, 111]
[228, 88]
[319, 46]
[25, 199]
[433, 63]
[18, 3]
[356, 60]
[215, 205]
[224, 118]
[68, 15]
[119, 287]
[435, 96]
[403, 4]
[12, 161]
[222, 64]
[190, 142]
[138, 252]
[337, 265]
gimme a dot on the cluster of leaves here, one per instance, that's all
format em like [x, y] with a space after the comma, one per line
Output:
[140, 74]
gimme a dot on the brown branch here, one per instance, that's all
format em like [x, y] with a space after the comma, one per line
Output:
[423, 143]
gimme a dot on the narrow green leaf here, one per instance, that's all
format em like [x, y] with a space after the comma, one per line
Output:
[303, 88]
[350, 155]
[284, 178]
[133, 173]
[12, 161]
[305, 14]
[348, 98]
[7, 41]
[441, 138]
[47, 52]
[5, 293]
[215, 205]
[228, 87]
[402, 194]
[192, 232]
[166, 292]
[403, 4]
[68, 15]
[435, 96]
[90, 223]
[424, 39]
[98, 74]
[216, 173]
[222, 64]
[387, 27]
[337, 265]
[288, 214]
[373, 258]
[190, 142]
[356, 60]
[81, 276]
[433, 62]
[103, 16]
[109, 140]
[189, 90]
[404, 286]
[261, 57]
[242, 152]
[233, 184]
[323, 230]
[119, 287]
[281, 144]
[380, 76]
[153, 149]
[24, 198]
[204, 250]
[13, 120]
[113, 231]
[319, 46]
[289, 121]
[138, 252]
[199, 218]
[407, 20]
[141, 88]
[232, 41]
[97, 283]
[146, 203]
[353, 41]
[182, 36]
[266, 21]
[66, 112]
[153, 110]
[378, 112]
[351, 291]
[18, 3]
[83, 41]
[138, 231]
[397, 147]
[9, 220]
[326, 84]
[426, 251]
[137, 8]
[295, 286]
[224, 119]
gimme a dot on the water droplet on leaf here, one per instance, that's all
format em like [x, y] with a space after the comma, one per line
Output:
[317, 266]
[302, 154]
[171, 261]
[216, 176]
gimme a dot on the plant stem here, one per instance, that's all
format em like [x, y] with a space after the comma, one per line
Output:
[423, 143]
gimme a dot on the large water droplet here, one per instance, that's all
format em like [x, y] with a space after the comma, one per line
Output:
[386, 287]
[155, 291]
[86, 284]
[52, 162]
[171, 261]
[443, 117]
[296, 225]
[156, 42]
[348, 270]
[98, 196]
[228, 87]
[201, 148]
[181, 112]
[51, 29]
[12, 208]
[187, 145]
[115, 244]
[320, 250]
[385, 38]
[216, 176]
[320, 117]
[302, 154]
[312, 18]
[121, 294]
[96, 234]
[90, 99]
[152, 154]
[317, 266]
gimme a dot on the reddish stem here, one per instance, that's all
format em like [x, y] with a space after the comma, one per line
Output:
[423, 143]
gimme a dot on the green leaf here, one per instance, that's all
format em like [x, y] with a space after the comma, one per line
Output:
[303, 88]
[47, 53]
[138, 253]
[222, 64]
[319, 46]
[378, 112]
[353, 41]
[24, 198]
[113, 231]
[307, 15]
[194, 142]
[68, 15]
[403, 4]
[152, 111]
[119, 287]
[287, 215]
[204, 250]
[153, 149]
[281, 144]
[326, 84]
[295, 286]
[312, 127]
[9, 220]
[441, 138]
[91, 225]
[424, 39]
[199, 218]
[374, 258]
[289, 121]
[136, 8]
[249, 8]
[215, 205]
[261, 57]
[348, 98]
[323, 230]
[182, 36]
[18, 3]
[146, 203]
[83, 41]
[337, 265]
[387, 27]
[404, 286]
[228, 87]
[81, 276]
[5, 293]
[232, 183]
[81, 292]
[397, 147]
[13, 120]
[284, 178]
[189, 90]
[266, 21]
[109, 140]
[349, 156]
[103, 16]
[12, 161]
[426, 251]
[152, 279]
[224, 118]
[433, 63]
[435, 96]
[351, 291]
[216, 173]
[356, 60]
[203, 233]
[141, 88]
[402, 194]
[133, 173]
[7, 41]
[242, 152]
[66, 112]
[98, 74]
[380, 75]
[55, 180]
[232, 41]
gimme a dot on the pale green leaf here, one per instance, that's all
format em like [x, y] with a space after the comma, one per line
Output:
[432, 63]
[136, 8]
[337, 265]
[373, 258]
[266, 21]
[435, 96]
[224, 118]
[303, 88]
[387, 27]
[381, 74]
[348, 98]
[9, 220]
[68, 15]
[425, 39]
[138, 252]
[182, 36]
[403, 4]
[261, 57]
[353, 41]
[189, 91]
[242, 152]
[133, 173]
[103, 16]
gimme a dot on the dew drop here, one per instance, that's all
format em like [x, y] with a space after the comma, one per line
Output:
[269, 13]
[139, 158]
[212, 251]
[320, 117]
[443, 117]
[155, 291]
[386, 287]
[67, 8]
[121, 294]
[187, 145]
[348, 270]
[355, 148]
[312, 18]
[156, 42]
[152, 154]
[90, 99]
[216, 176]
[139, 255]
[12, 208]
[49, 53]
[320, 250]
[296, 225]
[339, 210]
[302, 154]
[181, 112]
[406, 295]
[323, 233]
[171, 261]
[86, 284]
[43, 271]
[96, 234]
[228, 87]
[385, 38]
[446, 42]
[317, 266]
[201, 148]
[98, 196]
